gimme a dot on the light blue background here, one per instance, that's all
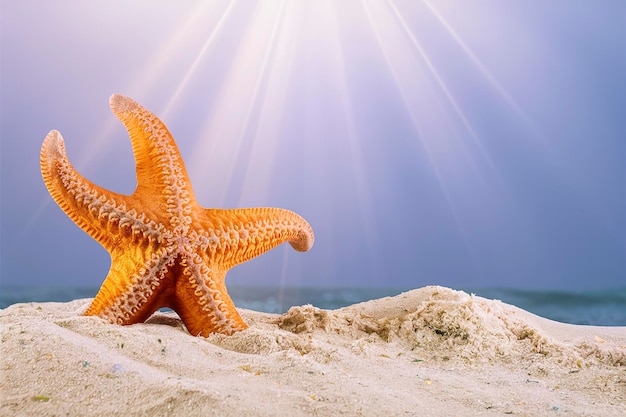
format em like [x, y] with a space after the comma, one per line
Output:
[463, 143]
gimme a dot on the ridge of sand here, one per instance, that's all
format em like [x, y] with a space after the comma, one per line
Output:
[429, 351]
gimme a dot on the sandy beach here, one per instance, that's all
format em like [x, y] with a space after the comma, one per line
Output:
[428, 352]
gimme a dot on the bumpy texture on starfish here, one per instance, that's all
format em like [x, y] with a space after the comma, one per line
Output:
[166, 250]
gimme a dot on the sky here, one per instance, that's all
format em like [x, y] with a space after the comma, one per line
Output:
[467, 144]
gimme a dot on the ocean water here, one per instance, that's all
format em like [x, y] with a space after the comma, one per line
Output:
[600, 308]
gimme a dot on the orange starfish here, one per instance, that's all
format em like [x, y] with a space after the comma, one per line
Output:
[166, 250]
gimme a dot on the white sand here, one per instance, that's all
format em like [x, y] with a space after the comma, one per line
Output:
[431, 351]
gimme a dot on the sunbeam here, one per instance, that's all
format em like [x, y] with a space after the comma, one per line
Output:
[201, 54]
[442, 85]
[360, 176]
[146, 78]
[219, 144]
[402, 67]
[483, 69]
[264, 144]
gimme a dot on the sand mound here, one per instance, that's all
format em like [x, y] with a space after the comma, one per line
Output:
[436, 322]
[430, 351]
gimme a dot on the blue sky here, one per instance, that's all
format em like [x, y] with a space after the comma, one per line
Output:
[467, 144]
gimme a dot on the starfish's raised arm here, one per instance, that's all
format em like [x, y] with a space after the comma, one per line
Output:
[92, 208]
[238, 235]
[160, 169]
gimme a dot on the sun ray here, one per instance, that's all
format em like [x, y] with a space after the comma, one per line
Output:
[162, 61]
[360, 175]
[262, 74]
[219, 142]
[148, 76]
[319, 24]
[423, 136]
[483, 69]
[200, 55]
[442, 85]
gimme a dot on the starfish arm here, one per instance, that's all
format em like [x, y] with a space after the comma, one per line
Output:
[160, 169]
[238, 235]
[99, 212]
[202, 301]
[130, 293]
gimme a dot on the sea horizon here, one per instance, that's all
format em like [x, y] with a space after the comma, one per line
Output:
[598, 307]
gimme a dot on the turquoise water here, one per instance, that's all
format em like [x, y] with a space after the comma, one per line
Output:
[601, 308]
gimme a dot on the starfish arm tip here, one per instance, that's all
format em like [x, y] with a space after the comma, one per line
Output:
[53, 146]
[121, 104]
[54, 135]
[304, 236]
[303, 241]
